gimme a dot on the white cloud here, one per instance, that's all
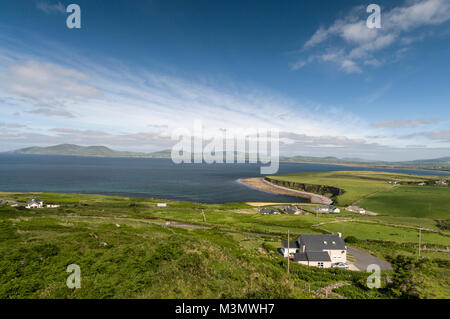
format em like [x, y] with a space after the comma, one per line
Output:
[358, 44]
[47, 86]
[403, 123]
[50, 8]
[75, 100]
[442, 136]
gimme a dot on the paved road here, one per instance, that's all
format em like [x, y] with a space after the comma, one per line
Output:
[363, 259]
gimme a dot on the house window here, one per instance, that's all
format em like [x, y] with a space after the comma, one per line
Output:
[320, 264]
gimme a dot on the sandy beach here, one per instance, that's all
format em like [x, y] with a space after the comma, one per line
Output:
[263, 185]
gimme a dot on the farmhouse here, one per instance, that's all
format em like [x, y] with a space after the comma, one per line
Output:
[316, 250]
[271, 211]
[328, 209]
[356, 209]
[35, 203]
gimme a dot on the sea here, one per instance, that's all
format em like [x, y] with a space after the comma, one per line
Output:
[150, 177]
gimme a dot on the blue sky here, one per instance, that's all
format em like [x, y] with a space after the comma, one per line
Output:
[137, 70]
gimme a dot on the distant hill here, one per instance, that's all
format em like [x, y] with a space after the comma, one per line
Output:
[76, 150]
[442, 163]
[311, 159]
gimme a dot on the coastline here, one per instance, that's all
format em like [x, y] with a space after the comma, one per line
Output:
[261, 184]
[375, 166]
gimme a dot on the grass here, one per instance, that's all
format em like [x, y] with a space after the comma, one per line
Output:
[414, 201]
[394, 234]
[141, 260]
[356, 184]
[144, 260]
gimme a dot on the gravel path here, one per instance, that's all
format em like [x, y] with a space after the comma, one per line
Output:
[363, 259]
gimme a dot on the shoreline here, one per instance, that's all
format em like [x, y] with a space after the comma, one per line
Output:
[261, 184]
[381, 166]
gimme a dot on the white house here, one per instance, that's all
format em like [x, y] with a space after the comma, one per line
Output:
[35, 203]
[161, 205]
[316, 250]
[328, 209]
[356, 209]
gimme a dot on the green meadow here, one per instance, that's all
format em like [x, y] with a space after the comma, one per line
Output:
[376, 193]
[414, 201]
[125, 249]
[371, 231]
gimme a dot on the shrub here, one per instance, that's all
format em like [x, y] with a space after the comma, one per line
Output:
[351, 239]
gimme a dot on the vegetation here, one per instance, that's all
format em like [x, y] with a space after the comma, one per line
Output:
[414, 278]
[377, 191]
[414, 201]
[125, 250]
[443, 224]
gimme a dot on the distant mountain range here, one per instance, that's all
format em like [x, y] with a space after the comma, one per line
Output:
[76, 150]
[442, 163]
[103, 151]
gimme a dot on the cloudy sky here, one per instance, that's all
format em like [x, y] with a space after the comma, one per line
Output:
[137, 70]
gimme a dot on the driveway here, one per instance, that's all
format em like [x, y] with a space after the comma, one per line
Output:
[363, 259]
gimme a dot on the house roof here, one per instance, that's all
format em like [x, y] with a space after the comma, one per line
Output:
[300, 257]
[292, 244]
[312, 256]
[291, 209]
[34, 201]
[267, 211]
[320, 242]
[317, 256]
[326, 208]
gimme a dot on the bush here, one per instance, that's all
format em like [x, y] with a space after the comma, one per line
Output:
[351, 239]
[406, 281]
[443, 224]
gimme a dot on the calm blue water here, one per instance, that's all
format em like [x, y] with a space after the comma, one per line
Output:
[153, 178]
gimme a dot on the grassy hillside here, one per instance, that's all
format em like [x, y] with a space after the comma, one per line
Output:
[359, 184]
[125, 250]
[415, 201]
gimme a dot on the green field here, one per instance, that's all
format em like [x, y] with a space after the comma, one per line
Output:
[376, 194]
[125, 250]
[415, 201]
[370, 231]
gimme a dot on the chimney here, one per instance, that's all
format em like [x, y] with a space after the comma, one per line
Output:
[340, 235]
